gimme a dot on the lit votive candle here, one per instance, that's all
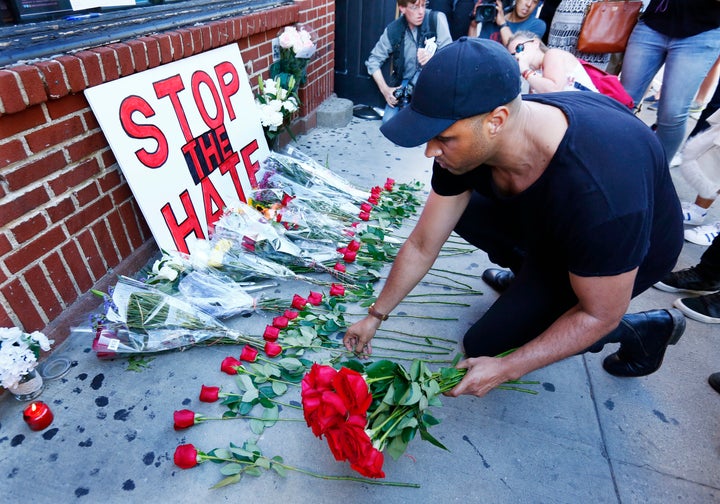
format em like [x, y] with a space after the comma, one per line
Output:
[38, 415]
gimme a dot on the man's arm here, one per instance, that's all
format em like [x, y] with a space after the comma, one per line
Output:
[412, 263]
[378, 56]
[602, 301]
[386, 90]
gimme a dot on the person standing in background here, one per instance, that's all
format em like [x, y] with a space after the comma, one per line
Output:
[565, 30]
[684, 35]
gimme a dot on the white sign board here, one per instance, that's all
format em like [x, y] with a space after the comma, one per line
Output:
[188, 139]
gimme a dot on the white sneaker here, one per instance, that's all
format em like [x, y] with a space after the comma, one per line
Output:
[703, 235]
[693, 214]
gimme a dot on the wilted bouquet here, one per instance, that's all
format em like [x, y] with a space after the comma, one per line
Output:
[277, 101]
[19, 353]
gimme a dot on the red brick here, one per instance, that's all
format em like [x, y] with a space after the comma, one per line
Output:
[59, 277]
[24, 203]
[139, 55]
[87, 146]
[68, 105]
[121, 193]
[11, 152]
[38, 282]
[61, 210]
[55, 83]
[10, 95]
[92, 255]
[54, 134]
[197, 40]
[108, 160]
[129, 218]
[5, 320]
[152, 47]
[109, 63]
[86, 216]
[105, 242]
[73, 69]
[166, 55]
[22, 306]
[22, 121]
[124, 58]
[75, 177]
[187, 42]
[29, 228]
[110, 180]
[206, 34]
[35, 249]
[89, 193]
[176, 44]
[91, 64]
[35, 170]
[32, 83]
[5, 245]
[118, 233]
[91, 121]
[78, 268]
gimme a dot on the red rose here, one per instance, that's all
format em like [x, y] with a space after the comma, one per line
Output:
[209, 394]
[353, 390]
[350, 256]
[183, 419]
[332, 411]
[315, 298]
[272, 349]
[337, 290]
[290, 314]
[342, 250]
[229, 365]
[374, 199]
[281, 322]
[366, 207]
[248, 354]
[389, 183]
[375, 191]
[340, 267]
[348, 441]
[364, 216]
[271, 333]
[286, 199]
[348, 232]
[298, 302]
[186, 456]
[248, 243]
[370, 463]
[315, 382]
[354, 245]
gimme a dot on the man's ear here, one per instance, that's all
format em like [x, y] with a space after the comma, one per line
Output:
[496, 119]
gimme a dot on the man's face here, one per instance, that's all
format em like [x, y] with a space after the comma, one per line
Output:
[462, 147]
[523, 8]
[414, 13]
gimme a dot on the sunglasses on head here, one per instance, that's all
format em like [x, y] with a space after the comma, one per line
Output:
[521, 47]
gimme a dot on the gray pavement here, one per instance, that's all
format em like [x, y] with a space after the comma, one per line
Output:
[586, 437]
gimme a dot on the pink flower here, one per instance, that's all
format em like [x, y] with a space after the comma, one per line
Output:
[353, 245]
[290, 314]
[337, 290]
[315, 298]
[281, 322]
[183, 419]
[350, 256]
[248, 354]
[272, 349]
[209, 394]
[298, 302]
[364, 216]
[186, 456]
[340, 267]
[389, 183]
[366, 207]
[271, 332]
[229, 365]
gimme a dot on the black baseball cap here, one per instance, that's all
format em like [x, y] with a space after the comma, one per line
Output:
[469, 77]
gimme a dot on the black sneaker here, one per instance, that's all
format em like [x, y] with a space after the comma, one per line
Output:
[714, 381]
[688, 280]
[703, 308]
[498, 279]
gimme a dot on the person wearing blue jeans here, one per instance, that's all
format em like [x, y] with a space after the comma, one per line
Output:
[684, 35]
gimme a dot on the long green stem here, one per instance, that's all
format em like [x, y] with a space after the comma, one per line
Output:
[438, 338]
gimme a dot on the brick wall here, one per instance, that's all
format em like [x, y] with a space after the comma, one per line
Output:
[68, 220]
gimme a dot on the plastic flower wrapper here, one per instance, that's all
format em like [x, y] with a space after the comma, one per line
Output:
[219, 297]
[141, 319]
[19, 353]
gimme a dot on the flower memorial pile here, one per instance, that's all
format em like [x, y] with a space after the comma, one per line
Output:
[19, 353]
[304, 224]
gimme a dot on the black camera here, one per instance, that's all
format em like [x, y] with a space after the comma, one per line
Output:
[403, 95]
[486, 12]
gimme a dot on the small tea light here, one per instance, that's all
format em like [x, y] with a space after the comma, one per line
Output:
[38, 415]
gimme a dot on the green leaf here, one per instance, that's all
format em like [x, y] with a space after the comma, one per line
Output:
[424, 434]
[381, 368]
[271, 415]
[279, 388]
[396, 447]
[263, 462]
[230, 469]
[250, 395]
[227, 481]
[245, 408]
[279, 469]
[241, 453]
[291, 364]
[222, 453]
[429, 420]
[257, 426]
[253, 471]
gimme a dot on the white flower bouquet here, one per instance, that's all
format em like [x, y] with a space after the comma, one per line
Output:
[19, 353]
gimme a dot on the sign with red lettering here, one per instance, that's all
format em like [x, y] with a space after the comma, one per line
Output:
[188, 139]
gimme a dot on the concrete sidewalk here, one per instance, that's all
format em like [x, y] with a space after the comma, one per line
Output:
[586, 437]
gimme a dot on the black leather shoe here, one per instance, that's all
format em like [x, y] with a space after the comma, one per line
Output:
[644, 338]
[498, 279]
[714, 381]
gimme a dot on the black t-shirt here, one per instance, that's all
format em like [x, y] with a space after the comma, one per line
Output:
[682, 18]
[606, 202]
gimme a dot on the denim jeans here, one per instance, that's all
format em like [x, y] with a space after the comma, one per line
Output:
[687, 62]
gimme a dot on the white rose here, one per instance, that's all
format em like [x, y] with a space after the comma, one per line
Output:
[10, 333]
[288, 37]
[42, 340]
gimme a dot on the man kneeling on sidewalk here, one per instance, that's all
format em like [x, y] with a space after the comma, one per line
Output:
[568, 190]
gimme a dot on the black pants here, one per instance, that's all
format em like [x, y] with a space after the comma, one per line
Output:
[538, 296]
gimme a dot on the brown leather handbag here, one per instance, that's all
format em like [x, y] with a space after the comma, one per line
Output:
[607, 26]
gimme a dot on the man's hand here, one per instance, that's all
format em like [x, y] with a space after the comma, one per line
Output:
[500, 16]
[423, 56]
[387, 93]
[358, 336]
[483, 375]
